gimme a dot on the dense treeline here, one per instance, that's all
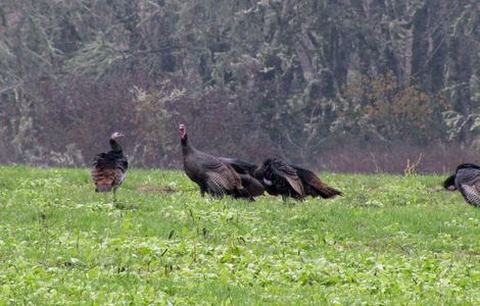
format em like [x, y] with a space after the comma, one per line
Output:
[331, 83]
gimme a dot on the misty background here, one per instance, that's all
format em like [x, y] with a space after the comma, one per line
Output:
[343, 85]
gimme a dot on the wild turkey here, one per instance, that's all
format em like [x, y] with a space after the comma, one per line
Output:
[211, 174]
[240, 166]
[246, 170]
[314, 186]
[467, 180]
[449, 183]
[110, 169]
[281, 178]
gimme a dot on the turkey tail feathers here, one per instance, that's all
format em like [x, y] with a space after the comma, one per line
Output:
[106, 179]
[314, 185]
[328, 192]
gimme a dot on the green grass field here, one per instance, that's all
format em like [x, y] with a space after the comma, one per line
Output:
[389, 240]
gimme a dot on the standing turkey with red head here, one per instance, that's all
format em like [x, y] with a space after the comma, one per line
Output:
[110, 168]
[211, 174]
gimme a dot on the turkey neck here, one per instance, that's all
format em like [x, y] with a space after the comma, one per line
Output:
[186, 147]
[116, 147]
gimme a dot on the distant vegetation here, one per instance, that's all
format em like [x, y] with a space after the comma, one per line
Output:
[388, 240]
[348, 85]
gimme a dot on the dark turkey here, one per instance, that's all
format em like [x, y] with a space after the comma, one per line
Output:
[246, 170]
[211, 174]
[467, 180]
[449, 183]
[314, 186]
[240, 166]
[281, 178]
[110, 168]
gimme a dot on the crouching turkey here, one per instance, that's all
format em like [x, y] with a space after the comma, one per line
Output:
[254, 187]
[209, 172]
[467, 180]
[110, 168]
[281, 178]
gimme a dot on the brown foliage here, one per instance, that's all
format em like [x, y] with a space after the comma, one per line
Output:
[397, 111]
[251, 78]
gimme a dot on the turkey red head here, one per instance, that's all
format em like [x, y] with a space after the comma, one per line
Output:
[183, 131]
[186, 148]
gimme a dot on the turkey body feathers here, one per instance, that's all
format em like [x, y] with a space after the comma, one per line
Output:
[109, 170]
[211, 174]
[467, 180]
[240, 166]
[279, 178]
[314, 186]
[254, 187]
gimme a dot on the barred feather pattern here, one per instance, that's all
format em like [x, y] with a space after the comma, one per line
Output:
[109, 170]
[210, 173]
[218, 184]
[280, 178]
[471, 194]
[467, 181]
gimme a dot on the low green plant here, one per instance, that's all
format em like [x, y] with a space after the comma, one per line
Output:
[389, 240]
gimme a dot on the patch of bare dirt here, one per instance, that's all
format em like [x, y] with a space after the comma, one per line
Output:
[156, 189]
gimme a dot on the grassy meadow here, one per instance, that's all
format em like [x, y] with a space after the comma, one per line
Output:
[390, 240]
